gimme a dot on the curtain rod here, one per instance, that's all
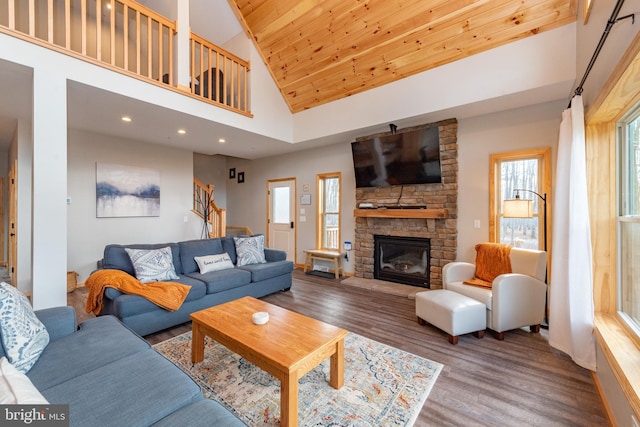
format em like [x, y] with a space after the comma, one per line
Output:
[614, 19]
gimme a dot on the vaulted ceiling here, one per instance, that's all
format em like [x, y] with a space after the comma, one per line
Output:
[322, 50]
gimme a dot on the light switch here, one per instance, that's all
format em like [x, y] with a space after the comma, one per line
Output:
[476, 223]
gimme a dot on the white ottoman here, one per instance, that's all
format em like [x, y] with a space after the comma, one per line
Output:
[454, 313]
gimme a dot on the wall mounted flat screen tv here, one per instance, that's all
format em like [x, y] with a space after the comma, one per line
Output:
[411, 157]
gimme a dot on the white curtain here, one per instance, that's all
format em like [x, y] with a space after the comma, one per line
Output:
[571, 308]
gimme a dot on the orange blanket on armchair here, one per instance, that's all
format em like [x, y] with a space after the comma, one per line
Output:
[168, 295]
[492, 260]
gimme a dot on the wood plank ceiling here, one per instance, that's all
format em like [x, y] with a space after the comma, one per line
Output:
[322, 50]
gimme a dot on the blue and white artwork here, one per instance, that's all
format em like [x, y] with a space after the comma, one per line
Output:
[123, 191]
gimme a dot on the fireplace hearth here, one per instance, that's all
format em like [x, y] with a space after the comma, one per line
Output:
[402, 259]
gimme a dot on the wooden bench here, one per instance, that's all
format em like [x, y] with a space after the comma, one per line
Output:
[324, 255]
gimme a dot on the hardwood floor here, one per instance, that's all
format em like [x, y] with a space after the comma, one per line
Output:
[520, 381]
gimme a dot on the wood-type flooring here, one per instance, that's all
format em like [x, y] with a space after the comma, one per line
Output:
[521, 381]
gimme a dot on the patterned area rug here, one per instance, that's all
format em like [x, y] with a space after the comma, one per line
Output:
[383, 386]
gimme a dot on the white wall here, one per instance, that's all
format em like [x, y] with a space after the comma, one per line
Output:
[22, 151]
[478, 137]
[88, 235]
[48, 184]
[212, 170]
[247, 202]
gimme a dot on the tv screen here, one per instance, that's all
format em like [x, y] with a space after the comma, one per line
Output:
[411, 157]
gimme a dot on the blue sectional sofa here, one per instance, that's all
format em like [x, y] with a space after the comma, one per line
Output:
[109, 376]
[207, 290]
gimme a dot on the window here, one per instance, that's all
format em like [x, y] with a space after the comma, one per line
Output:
[328, 233]
[629, 220]
[520, 170]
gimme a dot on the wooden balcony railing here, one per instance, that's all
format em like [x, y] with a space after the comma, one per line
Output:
[219, 76]
[129, 37]
[117, 33]
[205, 207]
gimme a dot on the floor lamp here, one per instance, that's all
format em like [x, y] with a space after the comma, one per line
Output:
[523, 208]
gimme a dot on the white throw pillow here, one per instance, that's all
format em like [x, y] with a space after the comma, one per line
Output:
[152, 265]
[250, 250]
[16, 387]
[24, 337]
[209, 263]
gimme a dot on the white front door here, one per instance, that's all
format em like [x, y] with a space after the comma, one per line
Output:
[281, 213]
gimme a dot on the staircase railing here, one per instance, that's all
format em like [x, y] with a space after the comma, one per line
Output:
[205, 207]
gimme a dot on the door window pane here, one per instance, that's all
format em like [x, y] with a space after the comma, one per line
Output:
[281, 205]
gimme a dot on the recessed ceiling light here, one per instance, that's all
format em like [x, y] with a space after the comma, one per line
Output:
[126, 118]
[222, 140]
[182, 131]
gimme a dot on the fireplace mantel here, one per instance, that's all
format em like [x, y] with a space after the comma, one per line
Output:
[401, 213]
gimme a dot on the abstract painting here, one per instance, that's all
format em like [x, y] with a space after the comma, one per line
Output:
[125, 191]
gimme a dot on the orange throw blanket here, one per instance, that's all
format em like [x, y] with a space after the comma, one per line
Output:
[168, 295]
[492, 260]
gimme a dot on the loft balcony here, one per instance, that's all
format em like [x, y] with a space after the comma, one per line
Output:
[129, 38]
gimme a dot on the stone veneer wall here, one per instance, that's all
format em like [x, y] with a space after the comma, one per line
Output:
[442, 232]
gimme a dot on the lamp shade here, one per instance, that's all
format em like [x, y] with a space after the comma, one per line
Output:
[517, 208]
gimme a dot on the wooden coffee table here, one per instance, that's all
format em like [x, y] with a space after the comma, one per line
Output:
[287, 347]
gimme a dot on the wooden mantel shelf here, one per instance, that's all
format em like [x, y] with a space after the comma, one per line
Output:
[401, 213]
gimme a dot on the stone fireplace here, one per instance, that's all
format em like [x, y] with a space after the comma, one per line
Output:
[402, 259]
[437, 222]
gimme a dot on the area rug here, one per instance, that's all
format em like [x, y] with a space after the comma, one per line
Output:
[383, 386]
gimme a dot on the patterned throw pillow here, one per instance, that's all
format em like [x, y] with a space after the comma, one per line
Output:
[24, 337]
[217, 262]
[250, 250]
[152, 265]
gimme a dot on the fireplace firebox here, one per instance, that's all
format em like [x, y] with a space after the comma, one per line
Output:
[402, 259]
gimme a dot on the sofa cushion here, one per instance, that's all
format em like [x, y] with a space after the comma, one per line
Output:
[229, 246]
[204, 413]
[218, 281]
[194, 292]
[484, 295]
[266, 271]
[128, 305]
[98, 342]
[250, 250]
[148, 388]
[115, 257]
[196, 248]
[24, 337]
[16, 388]
[152, 265]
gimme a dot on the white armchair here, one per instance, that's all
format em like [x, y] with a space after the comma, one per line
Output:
[514, 300]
